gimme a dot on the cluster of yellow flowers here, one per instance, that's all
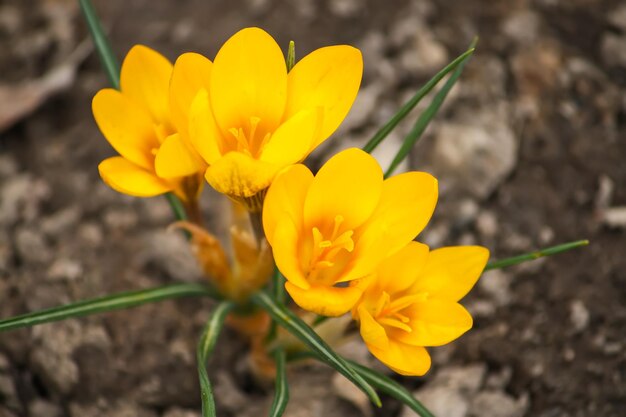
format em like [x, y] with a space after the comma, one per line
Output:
[343, 238]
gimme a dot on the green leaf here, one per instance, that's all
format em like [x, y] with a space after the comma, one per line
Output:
[531, 256]
[409, 105]
[291, 55]
[302, 331]
[426, 116]
[107, 57]
[281, 391]
[205, 347]
[108, 303]
[391, 388]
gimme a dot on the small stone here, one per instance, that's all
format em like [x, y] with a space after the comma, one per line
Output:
[522, 27]
[171, 253]
[349, 392]
[345, 8]
[363, 107]
[63, 269]
[8, 393]
[476, 153]
[91, 234]
[579, 315]
[61, 222]
[41, 407]
[179, 412]
[8, 164]
[617, 17]
[497, 404]
[441, 401]
[467, 379]
[424, 54]
[31, 246]
[614, 49]
[120, 219]
[487, 224]
[497, 285]
[615, 217]
[230, 397]
[499, 380]
[21, 197]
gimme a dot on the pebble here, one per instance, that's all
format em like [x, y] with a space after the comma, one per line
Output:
[31, 246]
[43, 408]
[179, 412]
[613, 49]
[61, 222]
[579, 315]
[475, 154]
[63, 269]
[498, 404]
[497, 285]
[170, 252]
[345, 8]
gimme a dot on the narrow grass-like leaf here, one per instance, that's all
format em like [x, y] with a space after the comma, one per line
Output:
[206, 345]
[107, 57]
[391, 388]
[108, 303]
[552, 250]
[426, 116]
[292, 323]
[281, 391]
[291, 55]
[410, 105]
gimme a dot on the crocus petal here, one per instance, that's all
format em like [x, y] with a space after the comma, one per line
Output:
[406, 205]
[284, 242]
[326, 301]
[434, 323]
[249, 79]
[175, 159]
[402, 358]
[192, 72]
[145, 79]
[292, 140]
[285, 198]
[204, 135]
[399, 271]
[127, 178]
[372, 332]
[127, 127]
[450, 273]
[238, 175]
[348, 185]
[328, 77]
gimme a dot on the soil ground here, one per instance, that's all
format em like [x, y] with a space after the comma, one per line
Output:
[529, 150]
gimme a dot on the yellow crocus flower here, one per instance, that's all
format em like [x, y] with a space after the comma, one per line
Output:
[328, 230]
[137, 122]
[251, 118]
[412, 302]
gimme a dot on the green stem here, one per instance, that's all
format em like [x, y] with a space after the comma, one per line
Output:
[281, 392]
[206, 345]
[427, 115]
[108, 303]
[531, 256]
[177, 206]
[410, 105]
[107, 57]
[291, 55]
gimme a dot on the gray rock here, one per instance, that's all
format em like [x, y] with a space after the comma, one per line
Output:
[617, 17]
[441, 401]
[63, 269]
[44, 408]
[31, 246]
[20, 198]
[497, 404]
[345, 8]
[497, 285]
[363, 108]
[614, 49]
[474, 154]
[61, 222]
[170, 252]
[579, 315]
[424, 54]
[179, 412]
[121, 219]
[522, 27]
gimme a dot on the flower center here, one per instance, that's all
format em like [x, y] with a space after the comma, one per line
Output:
[249, 140]
[327, 246]
[389, 312]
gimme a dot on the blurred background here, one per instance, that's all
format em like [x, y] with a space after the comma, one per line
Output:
[529, 151]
